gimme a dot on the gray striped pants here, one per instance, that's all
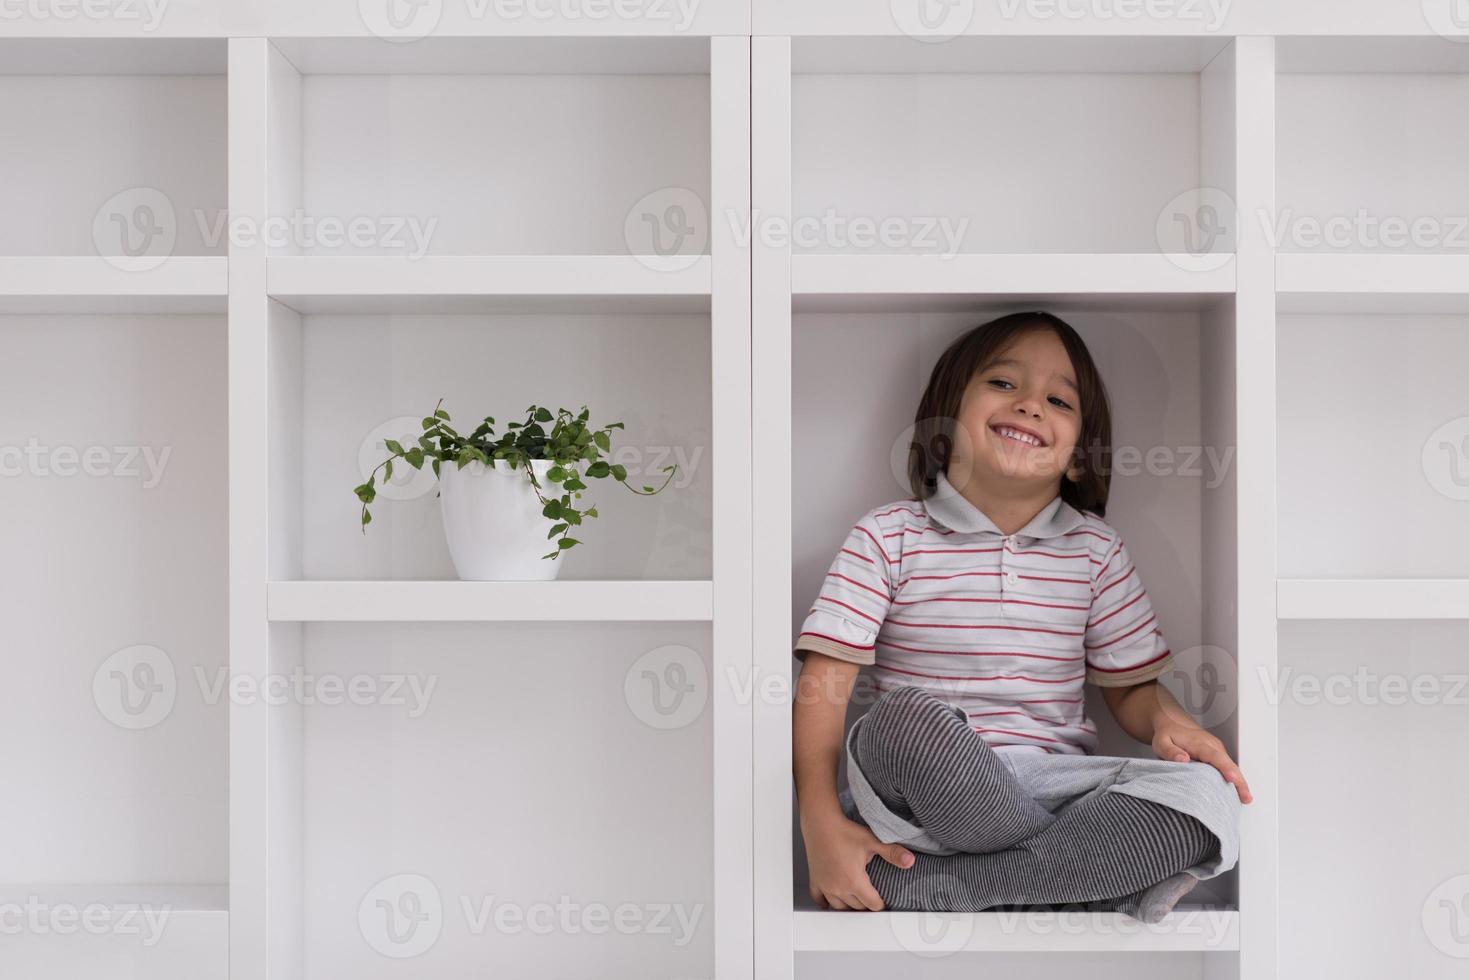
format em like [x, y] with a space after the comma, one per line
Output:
[984, 841]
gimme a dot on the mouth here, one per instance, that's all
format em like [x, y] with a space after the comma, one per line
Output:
[1018, 435]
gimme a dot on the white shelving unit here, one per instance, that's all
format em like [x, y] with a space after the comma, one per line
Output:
[774, 200]
[113, 419]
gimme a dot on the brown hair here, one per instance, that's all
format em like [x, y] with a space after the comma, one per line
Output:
[938, 410]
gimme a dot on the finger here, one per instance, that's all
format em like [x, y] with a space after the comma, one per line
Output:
[818, 899]
[836, 903]
[868, 896]
[1213, 753]
[1167, 748]
[896, 855]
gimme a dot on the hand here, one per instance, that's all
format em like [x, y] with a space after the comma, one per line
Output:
[837, 852]
[1181, 742]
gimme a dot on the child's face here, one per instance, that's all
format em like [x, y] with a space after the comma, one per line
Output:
[1029, 385]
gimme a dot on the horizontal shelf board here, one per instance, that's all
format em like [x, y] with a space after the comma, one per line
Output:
[452, 601]
[1302, 598]
[1370, 55]
[1186, 929]
[490, 283]
[924, 282]
[113, 56]
[207, 899]
[1307, 282]
[971, 53]
[90, 284]
[498, 55]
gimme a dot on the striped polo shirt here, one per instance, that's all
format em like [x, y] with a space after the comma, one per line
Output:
[930, 593]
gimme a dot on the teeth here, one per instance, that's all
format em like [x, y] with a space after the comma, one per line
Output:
[1010, 433]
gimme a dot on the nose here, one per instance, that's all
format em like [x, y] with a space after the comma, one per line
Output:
[1028, 404]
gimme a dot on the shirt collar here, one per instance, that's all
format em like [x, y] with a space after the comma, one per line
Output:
[953, 510]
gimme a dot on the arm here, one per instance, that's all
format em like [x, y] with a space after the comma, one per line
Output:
[1126, 654]
[817, 722]
[837, 849]
[1149, 713]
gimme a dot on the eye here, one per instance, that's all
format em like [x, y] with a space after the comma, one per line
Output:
[1000, 381]
[1059, 402]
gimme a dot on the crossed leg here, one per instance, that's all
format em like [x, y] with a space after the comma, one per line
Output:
[928, 764]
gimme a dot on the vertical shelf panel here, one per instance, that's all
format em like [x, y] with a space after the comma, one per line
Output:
[770, 197]
[1256, 483]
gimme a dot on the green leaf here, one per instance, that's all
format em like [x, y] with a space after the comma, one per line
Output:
[567, 543]
[555, 530]
[598, 469]
[414, 458]
[542, 415]
[441, 414]
[552, 510]
[429, 423]
[393, 446]
[619, 471]
[366, 518]
[603, 442]
[436, 466]
[590, 512]
[387, 471]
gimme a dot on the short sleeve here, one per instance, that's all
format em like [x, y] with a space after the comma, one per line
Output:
[1124, 645]
[855, 596]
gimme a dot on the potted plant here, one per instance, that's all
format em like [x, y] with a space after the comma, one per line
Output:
[496, 516]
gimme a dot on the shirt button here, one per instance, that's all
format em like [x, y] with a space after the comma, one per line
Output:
[1011, 577]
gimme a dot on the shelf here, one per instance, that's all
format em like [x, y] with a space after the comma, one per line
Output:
[492, 284]
[195, 901]
[1305, 598]
[89, 284]
[163, 932]
[73, 56]
[1370, 55]
[1371, 283]
[504, 55]
[554, 601]
[1187, 929]
[843, 283]
[979, 53]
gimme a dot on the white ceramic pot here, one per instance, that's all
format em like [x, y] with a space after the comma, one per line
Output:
[494, 524]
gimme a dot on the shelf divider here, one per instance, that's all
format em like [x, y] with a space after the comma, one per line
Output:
[1365, 282]
[845, 280]
[94, 284]
[369, 283]
[1370, 598]
[450, 601]
[1186, 929]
